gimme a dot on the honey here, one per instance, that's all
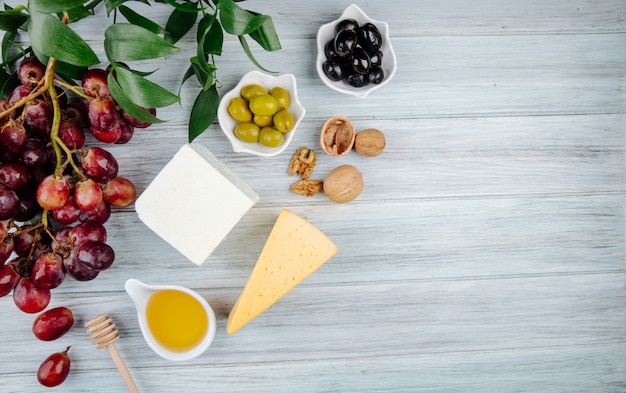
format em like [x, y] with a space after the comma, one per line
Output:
[177, 320]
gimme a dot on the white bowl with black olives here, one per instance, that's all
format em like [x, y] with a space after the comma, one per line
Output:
[354, 53]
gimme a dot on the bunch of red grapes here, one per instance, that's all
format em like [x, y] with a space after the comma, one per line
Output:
[55, 193]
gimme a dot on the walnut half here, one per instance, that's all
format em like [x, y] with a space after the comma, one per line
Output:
[307, 188]
[302, 162]
[337, 136]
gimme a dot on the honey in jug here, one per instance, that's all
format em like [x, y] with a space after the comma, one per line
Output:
[177, 320]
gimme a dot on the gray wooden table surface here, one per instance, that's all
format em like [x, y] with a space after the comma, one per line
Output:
[486, 253]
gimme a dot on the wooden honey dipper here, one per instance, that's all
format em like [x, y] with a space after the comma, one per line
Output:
[103, 333]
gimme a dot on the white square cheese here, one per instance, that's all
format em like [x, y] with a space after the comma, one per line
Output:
[194, 202]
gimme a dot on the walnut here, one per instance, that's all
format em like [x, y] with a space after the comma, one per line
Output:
[337, 136]
[302, 162]
[307, 188]
[369, 142]
[343, 184]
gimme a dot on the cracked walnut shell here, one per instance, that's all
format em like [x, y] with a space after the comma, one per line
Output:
[337, 136]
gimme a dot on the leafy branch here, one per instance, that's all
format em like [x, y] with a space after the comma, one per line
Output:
[47, 24]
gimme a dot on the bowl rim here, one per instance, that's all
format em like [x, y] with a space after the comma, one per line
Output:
[295, 107]
[355, 12]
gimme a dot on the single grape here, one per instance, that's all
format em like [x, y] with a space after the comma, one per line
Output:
[99, 164]
[71, 134]
[87, 231]
[53, 192]
[28, 209]
[19, 93]
[75, 110]
[24, 242]
[14, 176]
[52, 324]
[8, 279]
[100, 214]
[48, 271]
[95, 83]
[127, 132]
[119, 192]
[111, 136]
[95, 255]
[77, 270]
[34, 153]
[30, 71]
[28, 297]
[54, 370]
[103, 114]
[9, 203]
[13, 138]
[87, 194]
[38, 118]
[68, 213]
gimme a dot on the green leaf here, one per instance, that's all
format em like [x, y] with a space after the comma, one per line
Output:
[139, 20]
[142, 91]
[113, 4]
[8, 82]
[50, 37]
[50, 7]
[266, 36]
[203, 112]
[237, 21]
[7, 42]
[246, 48]
[67, 71]
[178, 24]
[127, 104]
[204, 72]
[210, 36]
[10, 21]
[127, 42]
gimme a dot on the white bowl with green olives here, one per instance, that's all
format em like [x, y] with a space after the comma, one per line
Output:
[354, 53]
[261, 113]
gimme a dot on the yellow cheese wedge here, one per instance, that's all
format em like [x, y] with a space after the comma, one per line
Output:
[294, 249]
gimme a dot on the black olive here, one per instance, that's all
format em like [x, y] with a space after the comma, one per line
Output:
[329, 49]
[357, 80]
[369, 37]
[345, 41]
[346, 24]
[376, 75]
[360, 61]
[334, 69]
[376, 58]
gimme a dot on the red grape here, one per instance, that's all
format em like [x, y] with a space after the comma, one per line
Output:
[53, 192]
[100, 214]
[34, 153]
[119, 192]
[71, 134]
[52, 324]
[13, 138]
[103, 114]
[54, 370]
[77, 270]
[8, 279]
[127, 132]
[87, 231]
[111, 136]
[38, 118]
[87, 194]
[68, 213]
[29, 298]
[99, 164]
[18, 93]
[48, 271]
[30, 71]
[95, 255]
[9, 203]
[95, 83]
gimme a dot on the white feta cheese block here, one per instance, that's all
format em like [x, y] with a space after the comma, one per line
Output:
[194, 202]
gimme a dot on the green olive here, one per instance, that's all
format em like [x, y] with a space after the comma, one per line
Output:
[239, 110]
[247, 132]
[283, 121]
[249, 91]
[282, 96]
[271, 137]
[263, 104]
[262, 121]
